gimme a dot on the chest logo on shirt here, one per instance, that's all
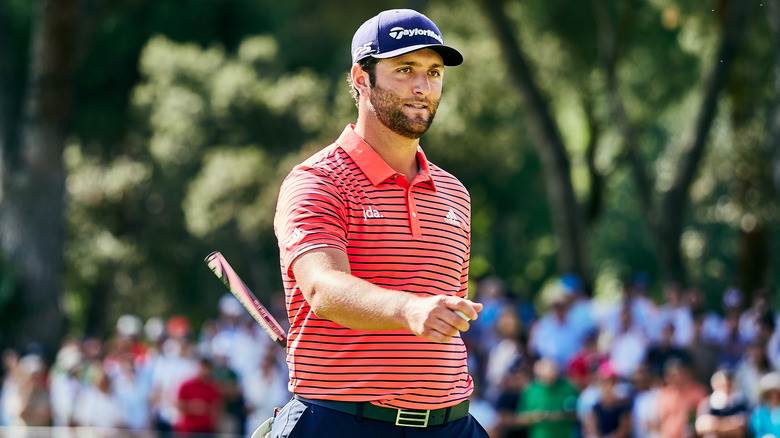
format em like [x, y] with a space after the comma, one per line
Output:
[371, 213]
[452, 218]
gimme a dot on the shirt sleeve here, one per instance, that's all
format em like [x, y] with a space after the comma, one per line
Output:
[310, 214]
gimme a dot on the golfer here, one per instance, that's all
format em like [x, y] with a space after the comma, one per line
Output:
[374, 242]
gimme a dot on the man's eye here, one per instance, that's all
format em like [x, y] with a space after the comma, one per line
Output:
[404, 70]
[435, 73]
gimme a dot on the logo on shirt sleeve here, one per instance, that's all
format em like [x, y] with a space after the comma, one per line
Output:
[296, 236]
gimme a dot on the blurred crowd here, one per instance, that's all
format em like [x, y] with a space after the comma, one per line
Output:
[224, 379]
[633, 367]
[565, 366]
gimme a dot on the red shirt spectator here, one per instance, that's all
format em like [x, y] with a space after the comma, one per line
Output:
[199, 402]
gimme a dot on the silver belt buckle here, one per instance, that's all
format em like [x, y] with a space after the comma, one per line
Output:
[412, 418]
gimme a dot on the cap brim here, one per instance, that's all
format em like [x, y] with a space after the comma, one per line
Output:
[450, 56]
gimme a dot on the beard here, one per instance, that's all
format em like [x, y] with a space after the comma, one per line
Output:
[389, 109]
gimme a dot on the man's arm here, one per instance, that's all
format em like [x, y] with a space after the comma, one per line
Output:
[333, 293]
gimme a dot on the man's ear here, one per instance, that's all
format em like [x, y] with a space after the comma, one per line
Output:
[360, 79]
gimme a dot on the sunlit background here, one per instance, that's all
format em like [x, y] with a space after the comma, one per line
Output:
[604, 138]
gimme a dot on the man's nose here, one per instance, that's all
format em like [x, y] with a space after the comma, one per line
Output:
[422, 85]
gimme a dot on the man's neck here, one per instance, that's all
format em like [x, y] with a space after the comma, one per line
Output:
[399, 152]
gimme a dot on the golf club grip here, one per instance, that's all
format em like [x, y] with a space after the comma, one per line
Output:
[222, 269]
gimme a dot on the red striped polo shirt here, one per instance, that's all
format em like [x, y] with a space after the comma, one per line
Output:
[411, 237]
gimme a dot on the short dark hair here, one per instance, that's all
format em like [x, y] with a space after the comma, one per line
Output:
[368, 64]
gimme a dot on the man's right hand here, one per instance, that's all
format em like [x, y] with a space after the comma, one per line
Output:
[434, 317]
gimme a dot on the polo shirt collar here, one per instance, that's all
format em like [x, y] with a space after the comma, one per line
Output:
[372, 164]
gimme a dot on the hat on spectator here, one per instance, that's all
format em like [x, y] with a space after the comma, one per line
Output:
[732, 298]
[606, 371]
[178, 326]
[229, 305]
[128, 325]
[154, 329]
[770, 382]
[571, 283]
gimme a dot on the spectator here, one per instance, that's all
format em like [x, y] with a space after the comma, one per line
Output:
[65, 384]
[703, 352]
[676, 312]
[586, 361]
[665, 350]
[132, 393]
[611, 415]
[750, 320]
[548, 404]
[773, 349]
[34, 392]
[645, 411]
[629, 345]
[512, 386]
[96, 405]
[678, 401]
[751, 369]
[199, 402]
[233, 419]
[504, 354]
[765, 419]
[724, 413]
[643, 311]
[556, 325]
[265, 389]
[731, 346]
[172, 367]
[580, 305]
[11, 400]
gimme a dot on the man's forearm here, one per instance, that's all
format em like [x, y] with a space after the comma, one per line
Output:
[356, 303]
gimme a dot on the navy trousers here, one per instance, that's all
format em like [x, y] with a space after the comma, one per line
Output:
[299, 419]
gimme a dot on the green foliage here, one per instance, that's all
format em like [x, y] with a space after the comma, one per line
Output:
[190, 114]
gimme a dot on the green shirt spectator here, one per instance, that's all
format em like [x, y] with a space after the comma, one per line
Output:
[549, 409]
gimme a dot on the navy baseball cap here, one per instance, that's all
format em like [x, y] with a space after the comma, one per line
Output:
[398, 31]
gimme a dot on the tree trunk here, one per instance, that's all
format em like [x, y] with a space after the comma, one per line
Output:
[32, 214]
[674, 202]
[753, 259]
[567, 218]
[666, 218]
[774, 121]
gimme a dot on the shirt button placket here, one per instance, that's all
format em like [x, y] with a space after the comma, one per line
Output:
[414, 220]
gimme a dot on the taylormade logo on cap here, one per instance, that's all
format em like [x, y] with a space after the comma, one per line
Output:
[400, 32]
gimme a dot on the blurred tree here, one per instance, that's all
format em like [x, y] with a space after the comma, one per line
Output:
[567, 216]
[667, 214]
[33, 196]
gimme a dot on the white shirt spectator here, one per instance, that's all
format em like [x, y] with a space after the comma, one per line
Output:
[773, 348]
[11, 403]
[242, 346]
[133, 397]
[682, 319]
[65, 389]
[627, 351]
[567, 340]
[95, 408]
[644, 414]
[263, 393]
[169, 371]
[500, 359]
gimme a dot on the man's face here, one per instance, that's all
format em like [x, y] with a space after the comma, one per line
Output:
[407, 92]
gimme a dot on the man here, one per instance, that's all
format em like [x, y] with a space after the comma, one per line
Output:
[678, 400]
[548, 406]
[374, 243]
[199, 402]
